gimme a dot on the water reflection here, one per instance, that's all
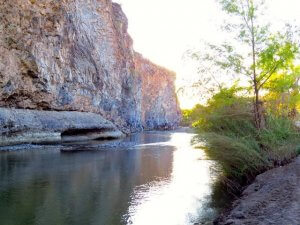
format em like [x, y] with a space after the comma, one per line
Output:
[180, 199]
[161, 180]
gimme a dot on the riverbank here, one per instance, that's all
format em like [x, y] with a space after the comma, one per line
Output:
[273, 198]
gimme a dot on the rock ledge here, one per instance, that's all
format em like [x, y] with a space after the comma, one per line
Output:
[19, 126]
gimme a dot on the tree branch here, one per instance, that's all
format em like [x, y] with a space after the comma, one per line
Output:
[244, 13]
[271, 72]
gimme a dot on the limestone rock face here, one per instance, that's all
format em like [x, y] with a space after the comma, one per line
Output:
[160, 107]
[76, 55]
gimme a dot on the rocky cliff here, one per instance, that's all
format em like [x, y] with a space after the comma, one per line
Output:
[159, 101]
[76, 55]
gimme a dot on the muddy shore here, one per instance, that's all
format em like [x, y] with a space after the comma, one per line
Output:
[273, 198]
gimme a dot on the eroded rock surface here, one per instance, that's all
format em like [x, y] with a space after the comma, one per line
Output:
[273, 198]
[76, 55]
[160, 107]
[19, 126]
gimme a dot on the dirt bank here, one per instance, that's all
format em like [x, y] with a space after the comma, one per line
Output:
[273, 198]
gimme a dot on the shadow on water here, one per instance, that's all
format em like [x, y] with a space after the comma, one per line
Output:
[151, 178]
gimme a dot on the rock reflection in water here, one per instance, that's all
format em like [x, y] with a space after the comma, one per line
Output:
[160, 181]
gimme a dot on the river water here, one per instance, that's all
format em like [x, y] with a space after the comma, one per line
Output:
[154, 178]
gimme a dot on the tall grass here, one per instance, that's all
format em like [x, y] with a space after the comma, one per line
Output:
[226, 131]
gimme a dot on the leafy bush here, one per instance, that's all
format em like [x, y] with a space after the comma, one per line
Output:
[226, 131]
[189, 116]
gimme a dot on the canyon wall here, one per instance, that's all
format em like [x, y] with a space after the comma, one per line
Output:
[76, 55]
[159, 101]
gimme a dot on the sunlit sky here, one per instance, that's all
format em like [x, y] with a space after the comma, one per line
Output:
[163, 30]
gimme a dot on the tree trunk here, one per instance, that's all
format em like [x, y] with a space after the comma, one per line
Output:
[258, 106]
[259, 118]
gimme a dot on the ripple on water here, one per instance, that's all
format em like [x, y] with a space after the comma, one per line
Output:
[161, 181]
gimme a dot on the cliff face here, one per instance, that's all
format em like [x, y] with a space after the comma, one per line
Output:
[76, 55]
[160, 107]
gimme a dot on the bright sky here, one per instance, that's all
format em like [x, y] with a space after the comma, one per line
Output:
[163, 30]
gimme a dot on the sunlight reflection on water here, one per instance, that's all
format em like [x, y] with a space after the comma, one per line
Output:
[179, 199]
[162, 180]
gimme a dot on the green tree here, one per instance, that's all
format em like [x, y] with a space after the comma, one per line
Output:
[252, 50]
[283, 95]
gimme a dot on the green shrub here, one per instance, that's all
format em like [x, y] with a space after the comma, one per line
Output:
[226, 131]
[189, 116]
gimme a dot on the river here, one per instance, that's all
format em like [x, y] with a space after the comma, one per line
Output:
[152, 178]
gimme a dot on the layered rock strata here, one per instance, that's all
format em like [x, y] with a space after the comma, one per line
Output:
[76, 55]
[19, 126]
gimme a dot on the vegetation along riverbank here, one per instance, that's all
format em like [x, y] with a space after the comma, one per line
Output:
[249, 126]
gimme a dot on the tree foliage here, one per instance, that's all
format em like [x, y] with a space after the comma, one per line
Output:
[252, 53]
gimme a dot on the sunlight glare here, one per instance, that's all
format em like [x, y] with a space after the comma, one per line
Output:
[171, 200]
[164, 30]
